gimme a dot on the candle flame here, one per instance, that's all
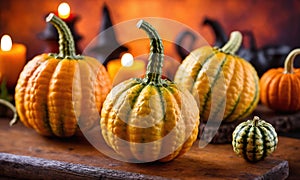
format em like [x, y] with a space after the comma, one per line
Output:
[6, 43]
[127, 60]
[64, 10]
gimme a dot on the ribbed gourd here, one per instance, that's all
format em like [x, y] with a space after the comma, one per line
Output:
[254, 139]
[149, 119]
[55, 91]
[225, 85]
[280, 87]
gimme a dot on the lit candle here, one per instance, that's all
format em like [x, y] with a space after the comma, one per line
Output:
[126, 68]
[12, 60]
[64, 12]
[50, 34]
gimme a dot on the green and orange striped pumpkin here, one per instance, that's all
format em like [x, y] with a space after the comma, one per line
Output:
[225, 86]
[149, 119]
[54, 91]
[254, 139]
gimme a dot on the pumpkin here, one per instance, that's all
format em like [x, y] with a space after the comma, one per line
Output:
[225, 86]
[254, 139]
[280, 87]
[149, 119]
[54, 91]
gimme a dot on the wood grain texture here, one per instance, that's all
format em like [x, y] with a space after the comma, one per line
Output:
[23, 148]
[27, 167]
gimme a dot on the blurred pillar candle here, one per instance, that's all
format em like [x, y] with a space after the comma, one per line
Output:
[125, 68]
[12, 60]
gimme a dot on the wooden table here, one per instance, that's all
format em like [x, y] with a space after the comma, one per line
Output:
[25, 154]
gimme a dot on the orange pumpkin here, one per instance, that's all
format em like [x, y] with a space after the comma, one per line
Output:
[57, 91]
[280, 88]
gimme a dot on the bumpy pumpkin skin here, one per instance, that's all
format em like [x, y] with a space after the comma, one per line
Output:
[254, 139]
[144, 113]
[53, 92]
[280, 87]
[150, 119]
[218, 80]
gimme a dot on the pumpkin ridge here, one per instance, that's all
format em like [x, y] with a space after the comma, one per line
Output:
[117, 136]
[162, 99]
[176, 143]
[235, 110]
[145, 132]
[46, 119]
[273, 133]
[201, 66]
[236, 102]
[240, 127]
[129, 85]
[276, 79]
[133, 102]
[97, 82]
[183, 71]
[84, 95]
[208, 95]
[36, 91]
[21, 86]
[265, 84]
[255, 98]
[284, 102]
[296, 80]
[245, 137]
[143, 91]
[108, 105]
[265, 147]
[60, 99]
[254, 143]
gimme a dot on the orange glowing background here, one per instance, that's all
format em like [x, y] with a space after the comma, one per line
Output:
[272, 22]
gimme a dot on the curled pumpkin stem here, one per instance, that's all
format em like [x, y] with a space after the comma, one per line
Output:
[255, 120]
[11, 107]
[233, 44]
[289, 61]
[156, 56]
[66, 41]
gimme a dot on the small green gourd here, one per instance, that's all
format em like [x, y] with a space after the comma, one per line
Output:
[254, 139]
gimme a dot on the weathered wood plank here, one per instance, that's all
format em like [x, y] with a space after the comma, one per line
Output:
[38, 168]
[210, 162]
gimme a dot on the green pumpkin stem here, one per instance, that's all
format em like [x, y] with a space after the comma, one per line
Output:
[11, 107]
[233, 44]
[255, 120]
[289, 61]
[156, 56]
[66, 41]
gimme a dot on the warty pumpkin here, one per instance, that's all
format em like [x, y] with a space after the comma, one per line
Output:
[280, 87]
[55, 91]
[254, 139]
[225, 86]
[149, 119]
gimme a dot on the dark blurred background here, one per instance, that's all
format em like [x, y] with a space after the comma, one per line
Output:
[272, 22]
